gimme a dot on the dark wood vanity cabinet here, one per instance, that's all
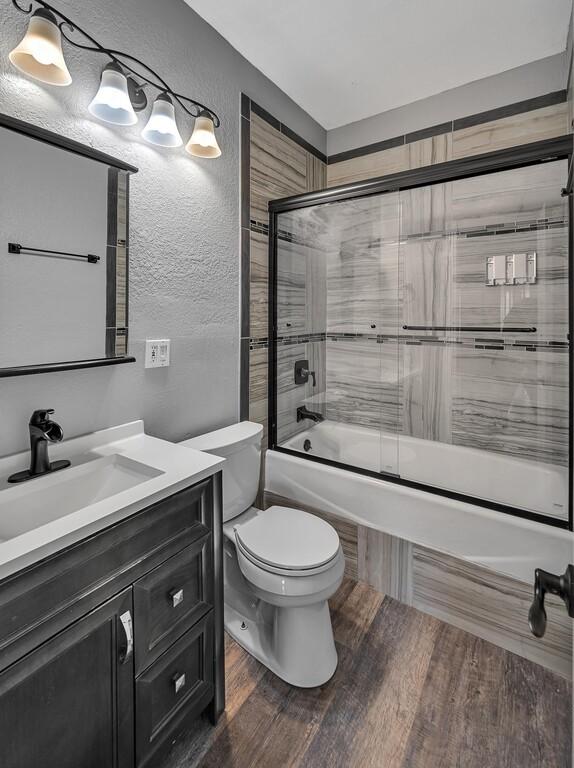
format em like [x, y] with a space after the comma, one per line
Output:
[69, 702]
[111, 646]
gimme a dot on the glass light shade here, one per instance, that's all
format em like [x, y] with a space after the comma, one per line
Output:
[112, 102]
[40, 52]
[161, 128]
[203, 142]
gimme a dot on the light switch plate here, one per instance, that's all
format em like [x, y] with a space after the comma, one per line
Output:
[157, 353]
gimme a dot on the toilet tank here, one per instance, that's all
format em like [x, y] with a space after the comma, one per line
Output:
[240, 445]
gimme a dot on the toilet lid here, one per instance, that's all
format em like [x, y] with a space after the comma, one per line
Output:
[289, 538]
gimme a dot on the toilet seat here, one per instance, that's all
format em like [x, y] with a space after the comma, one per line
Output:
[288, 541]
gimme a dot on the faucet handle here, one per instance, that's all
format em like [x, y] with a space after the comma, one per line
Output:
[544, 583]
[302, 373]
[41, 416]
[41, 420]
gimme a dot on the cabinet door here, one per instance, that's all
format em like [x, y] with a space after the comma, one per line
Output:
[69, 703]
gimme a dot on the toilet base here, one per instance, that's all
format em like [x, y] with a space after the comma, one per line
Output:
[296, 643]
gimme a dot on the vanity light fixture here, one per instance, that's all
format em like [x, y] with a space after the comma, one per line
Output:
[40, 52]
[161, 128]
[122, 86]
[112, 101]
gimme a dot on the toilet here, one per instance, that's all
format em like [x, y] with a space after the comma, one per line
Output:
[280, 567]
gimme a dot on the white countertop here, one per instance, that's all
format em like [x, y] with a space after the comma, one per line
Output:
[178, 466]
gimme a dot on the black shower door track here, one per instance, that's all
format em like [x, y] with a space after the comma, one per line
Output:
[560, 148]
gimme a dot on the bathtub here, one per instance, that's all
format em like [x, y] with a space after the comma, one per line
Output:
[504, 543]
[518, 483]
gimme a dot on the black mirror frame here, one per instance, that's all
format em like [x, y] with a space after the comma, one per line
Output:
[115, 336]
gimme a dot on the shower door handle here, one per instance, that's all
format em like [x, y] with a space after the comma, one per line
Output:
[475, 328]
[545, 582]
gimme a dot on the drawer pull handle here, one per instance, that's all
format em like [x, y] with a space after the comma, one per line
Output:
[126, 620]
[176, 596]
[178, 681]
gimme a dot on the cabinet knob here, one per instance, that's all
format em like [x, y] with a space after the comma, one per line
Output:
[178, 681]
[176, 597]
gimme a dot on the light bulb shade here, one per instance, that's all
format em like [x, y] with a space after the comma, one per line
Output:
[40, 52]
[161, 128]
[203, 142]
[112, 101]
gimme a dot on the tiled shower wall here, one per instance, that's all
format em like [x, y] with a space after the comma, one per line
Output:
[275, 163]
[440, 402]
[503, 392]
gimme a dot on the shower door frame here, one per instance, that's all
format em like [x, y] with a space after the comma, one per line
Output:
[560, 148]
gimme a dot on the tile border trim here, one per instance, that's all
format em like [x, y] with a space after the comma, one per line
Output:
[480, 341]
[286, 131]
[244, 254]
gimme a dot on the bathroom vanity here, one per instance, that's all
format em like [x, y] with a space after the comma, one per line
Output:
[111, 626]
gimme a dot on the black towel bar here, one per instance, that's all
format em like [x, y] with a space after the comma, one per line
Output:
[17, 248]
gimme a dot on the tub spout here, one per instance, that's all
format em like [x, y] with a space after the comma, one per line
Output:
[304, 413]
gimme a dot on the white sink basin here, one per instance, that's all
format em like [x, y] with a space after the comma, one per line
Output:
[36, 502]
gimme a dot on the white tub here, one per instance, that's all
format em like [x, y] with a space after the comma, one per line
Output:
[529, 485]
[502, 542]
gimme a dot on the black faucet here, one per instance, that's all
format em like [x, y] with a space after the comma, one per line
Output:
[304, 413]
[42, 431]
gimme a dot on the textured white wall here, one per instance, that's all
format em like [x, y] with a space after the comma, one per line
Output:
[184, 258]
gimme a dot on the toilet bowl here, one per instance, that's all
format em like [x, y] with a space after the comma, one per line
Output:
[280, 567]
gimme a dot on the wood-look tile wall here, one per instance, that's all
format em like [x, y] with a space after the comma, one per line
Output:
[274, 164]
[522, 128]
[418, 258]
[487, 604]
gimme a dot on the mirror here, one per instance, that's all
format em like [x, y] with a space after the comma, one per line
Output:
[63, 253]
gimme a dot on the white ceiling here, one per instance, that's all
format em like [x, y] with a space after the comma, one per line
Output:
[344, 60]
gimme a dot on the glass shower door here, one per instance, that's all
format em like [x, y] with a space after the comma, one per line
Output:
[484, 374]
[336, 348]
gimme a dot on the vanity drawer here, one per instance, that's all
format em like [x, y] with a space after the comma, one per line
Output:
[170, 599]
[45, 598]
[176, 688]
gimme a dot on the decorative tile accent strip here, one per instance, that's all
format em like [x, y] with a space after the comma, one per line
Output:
[385, 338]
[282, 234]
[258, 226]
[502, 228]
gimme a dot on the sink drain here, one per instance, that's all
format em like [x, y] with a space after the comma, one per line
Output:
[307, 445]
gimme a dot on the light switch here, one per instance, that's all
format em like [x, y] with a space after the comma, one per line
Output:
[157, 353]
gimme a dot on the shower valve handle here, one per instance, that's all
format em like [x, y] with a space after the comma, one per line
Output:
[545, 582]
[302, 373]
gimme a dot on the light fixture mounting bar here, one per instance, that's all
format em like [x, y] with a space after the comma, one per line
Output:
[124, 60]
